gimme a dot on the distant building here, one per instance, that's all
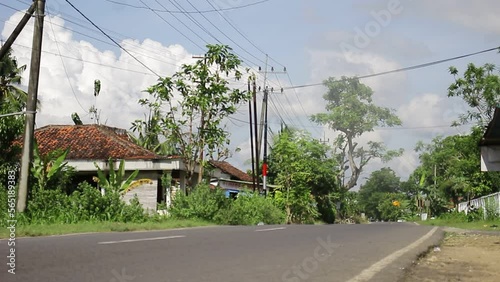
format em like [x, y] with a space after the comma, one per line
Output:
[490, 145]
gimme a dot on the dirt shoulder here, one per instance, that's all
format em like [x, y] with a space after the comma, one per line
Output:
[464, 255]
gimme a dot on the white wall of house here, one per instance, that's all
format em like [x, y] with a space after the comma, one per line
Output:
[490, 158]
[147, 193]
[152, 165]
[219, 174]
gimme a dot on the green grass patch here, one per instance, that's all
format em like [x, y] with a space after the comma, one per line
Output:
[493, 225]
[33, 230]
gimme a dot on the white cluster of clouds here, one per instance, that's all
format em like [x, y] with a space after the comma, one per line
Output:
[67, 82]
[68, 88]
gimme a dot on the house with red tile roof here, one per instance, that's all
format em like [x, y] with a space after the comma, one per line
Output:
[226, 176]
[490, 145]
[92, 144]
[225, 170]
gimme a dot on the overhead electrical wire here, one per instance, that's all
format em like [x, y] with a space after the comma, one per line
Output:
[110, 38]
[64, 65]
[297, 97]
[90, 62]
[191, 18]
[189, 12]
[294, 113]
[223, 33]
[176, 29]
[242, 34]
[67, 17]
[406, 68]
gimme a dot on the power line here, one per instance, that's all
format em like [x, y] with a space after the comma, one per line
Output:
[243, 35]
[64, 65]
[406, 68]
[99, 40]
[189, 12]
[230, 39]
[110, 38]
[176, 29]
[191, 18]
[66, 18]
[297, 96]
[81, 60]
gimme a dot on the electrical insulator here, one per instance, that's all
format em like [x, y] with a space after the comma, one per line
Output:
[272, 68]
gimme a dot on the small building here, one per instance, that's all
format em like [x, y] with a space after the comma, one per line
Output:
[227, 177]
[92, 144]
[490, 145]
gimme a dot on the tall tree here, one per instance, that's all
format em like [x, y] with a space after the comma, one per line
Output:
[11, 96]
[480, 89]
[12, 100]
[351, 112]
[193, 103]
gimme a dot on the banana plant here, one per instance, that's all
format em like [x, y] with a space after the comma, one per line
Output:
[116, 181]
[46, 167]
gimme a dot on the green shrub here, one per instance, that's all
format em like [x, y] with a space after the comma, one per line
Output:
[4, 215]
[250, 209]
[203, 203]
[48, 206]
[491, 209]
[133, 212]
[89, 204]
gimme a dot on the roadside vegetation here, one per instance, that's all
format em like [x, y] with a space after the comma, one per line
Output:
[313, 179]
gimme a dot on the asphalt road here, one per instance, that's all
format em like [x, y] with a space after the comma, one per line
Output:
[374, 252]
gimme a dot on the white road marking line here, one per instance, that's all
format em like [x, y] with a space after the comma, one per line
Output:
[270, 229]
[368, 273]
[139, 240]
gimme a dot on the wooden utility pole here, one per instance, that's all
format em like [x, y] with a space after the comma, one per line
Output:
[36, 54]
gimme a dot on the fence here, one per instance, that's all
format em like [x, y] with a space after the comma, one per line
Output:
[493, 199]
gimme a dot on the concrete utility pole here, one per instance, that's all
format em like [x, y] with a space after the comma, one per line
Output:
[36, 54]
[27, 16]
[264, 125]
[254, 186]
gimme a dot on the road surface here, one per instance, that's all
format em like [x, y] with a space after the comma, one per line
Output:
[367, 252]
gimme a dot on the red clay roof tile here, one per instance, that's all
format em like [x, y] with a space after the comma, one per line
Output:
[91, 142]
[231, 170]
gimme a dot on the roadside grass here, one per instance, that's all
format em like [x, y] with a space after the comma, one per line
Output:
[34, 230]
[488, 225]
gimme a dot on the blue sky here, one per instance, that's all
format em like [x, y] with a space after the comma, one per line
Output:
[305, 36]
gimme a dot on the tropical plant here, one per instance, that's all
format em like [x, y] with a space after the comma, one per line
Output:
[116, 181]
[49, 166]
[197, 99]
[12, 100]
